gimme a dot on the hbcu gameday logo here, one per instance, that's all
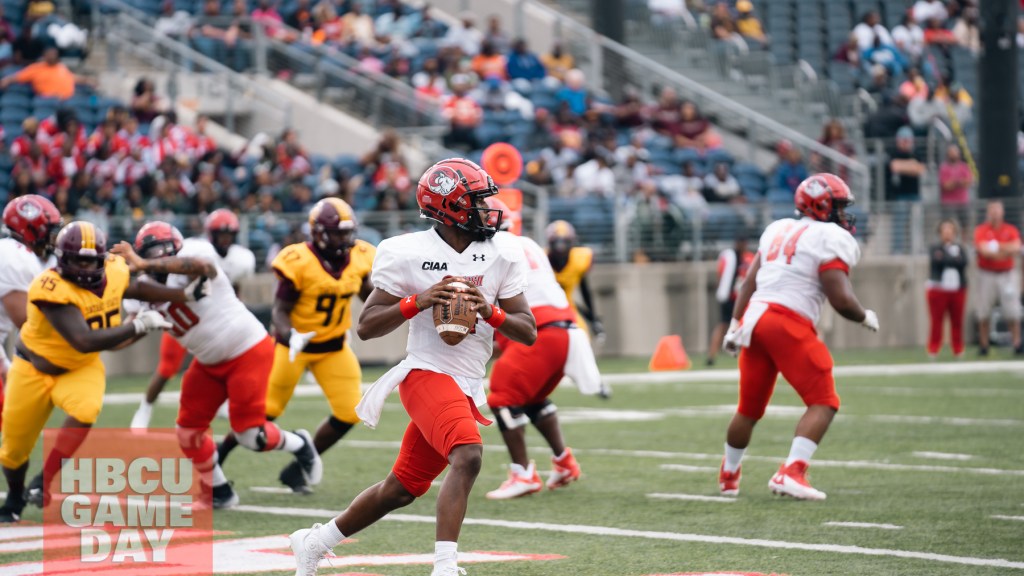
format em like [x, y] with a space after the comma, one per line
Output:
[127, 497]
[443, 181]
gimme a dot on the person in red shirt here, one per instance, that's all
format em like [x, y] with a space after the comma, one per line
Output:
[997, 243]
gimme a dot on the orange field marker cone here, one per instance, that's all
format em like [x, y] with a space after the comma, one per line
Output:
[669, 354]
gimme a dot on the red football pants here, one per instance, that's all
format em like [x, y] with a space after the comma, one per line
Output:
[526, 375]
[941, 303]
[241, 381]
[784, 341]
[172, 354]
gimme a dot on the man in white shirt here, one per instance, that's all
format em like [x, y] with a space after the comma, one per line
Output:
[439, 388]
[870, 26]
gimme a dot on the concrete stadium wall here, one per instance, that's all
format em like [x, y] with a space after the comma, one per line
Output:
[641, 303]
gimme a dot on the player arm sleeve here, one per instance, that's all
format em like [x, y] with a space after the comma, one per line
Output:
[388, 273]
[840, 251]
[727, 271]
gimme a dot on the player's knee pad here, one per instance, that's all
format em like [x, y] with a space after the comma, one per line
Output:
[196, 444]
[538, 412]
[510, 417]
[260, 438]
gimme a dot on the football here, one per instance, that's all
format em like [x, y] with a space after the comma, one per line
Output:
[455, 319]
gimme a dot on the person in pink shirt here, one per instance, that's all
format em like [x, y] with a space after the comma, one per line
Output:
[267, 15]
[955, 178]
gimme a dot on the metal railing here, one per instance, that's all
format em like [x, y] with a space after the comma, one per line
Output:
[215, 88]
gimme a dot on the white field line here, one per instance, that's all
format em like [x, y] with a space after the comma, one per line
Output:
[943, 456]
[664, 455]
[863, 525]
[1003, 517]
[669, 536]
[693, 497]
[271, 489]
[686, 468]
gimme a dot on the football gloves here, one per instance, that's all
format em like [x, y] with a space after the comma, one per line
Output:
[870, 320]
[150, 321]
[731, 342]
[198, 289]
[297, 341]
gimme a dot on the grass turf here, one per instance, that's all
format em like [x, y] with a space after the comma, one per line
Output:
[884, 420]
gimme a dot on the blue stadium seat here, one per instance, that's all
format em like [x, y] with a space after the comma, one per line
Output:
[12, 114]
[780, 196]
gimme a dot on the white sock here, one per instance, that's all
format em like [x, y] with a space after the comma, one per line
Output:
[733, 456]
[445, 554]
[802, 449]
[330, 536]
[517, 469]
[290, 442]
[219, 479]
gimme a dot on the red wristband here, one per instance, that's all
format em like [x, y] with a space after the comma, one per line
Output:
[408, 307]
[497, 317]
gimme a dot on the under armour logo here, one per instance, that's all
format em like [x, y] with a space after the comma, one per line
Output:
[479, 257]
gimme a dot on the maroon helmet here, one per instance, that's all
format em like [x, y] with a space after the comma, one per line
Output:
[81, 250]
[332, 225]
[33, 221]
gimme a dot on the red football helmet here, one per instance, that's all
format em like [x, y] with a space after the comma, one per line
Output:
[81, 250]
[496, 217]
[332, 225]
[448, 193]
[825, 197]
[33, 221]
[222, 230]
[156, 240]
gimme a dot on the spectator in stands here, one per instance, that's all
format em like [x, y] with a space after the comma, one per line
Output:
[833, 135]
[523, 64]
[27, 48]
[558, 62]
[998, 245]
[498, 37]
[145, 105]
[23, 183]
[925, 10]
[904, 170]
[174, 24]
[686, 190]
[935, 34]
[966, 32]
[885, 55]
[748, 25]
[890, 116]
[722, 187]
[630, 112]
[723, 26]
[464, 115]
[50, 78]
[947, 288]
[328, 26]
[7, 38]
[358, 26]
[665, 12]
[955, 179]
[429, 82]
[489, 63]
[870, 29]
[37, 10]
[914, 86]
[23, 142]
[923, 111]
[848, 52]
[694, 130]
[791, 171]
[266, 14]
[465, 36]
[908, 37]
[666, 115]
[428, 27]
[559, 158]
[595, 177]
[368, 61]
[574, 92]
[301, 18]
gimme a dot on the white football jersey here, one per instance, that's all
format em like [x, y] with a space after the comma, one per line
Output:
[218, 327]
[793, 253]
[238, 264]
[411, 263]
[542, 287]
[18, 266]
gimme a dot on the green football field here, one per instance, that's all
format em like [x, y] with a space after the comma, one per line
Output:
[924, 471]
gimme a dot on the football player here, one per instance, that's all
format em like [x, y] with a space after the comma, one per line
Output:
[238, 263]
[571, 264]
[234, 369]
[74, 312]
[733, 264]
[32, 222]
[312, 313]
[524, 376]
[440, 387]
[799, 264]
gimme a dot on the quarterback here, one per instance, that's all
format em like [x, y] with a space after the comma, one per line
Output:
[799, 264]
[230, 369]
[312, 314]
[440, 386]
[74, 312]
[237, 263]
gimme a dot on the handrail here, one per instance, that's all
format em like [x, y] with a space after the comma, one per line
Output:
[716, 99]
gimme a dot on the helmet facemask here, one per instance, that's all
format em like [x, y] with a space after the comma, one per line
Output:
[333, 245]
[158, 250]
